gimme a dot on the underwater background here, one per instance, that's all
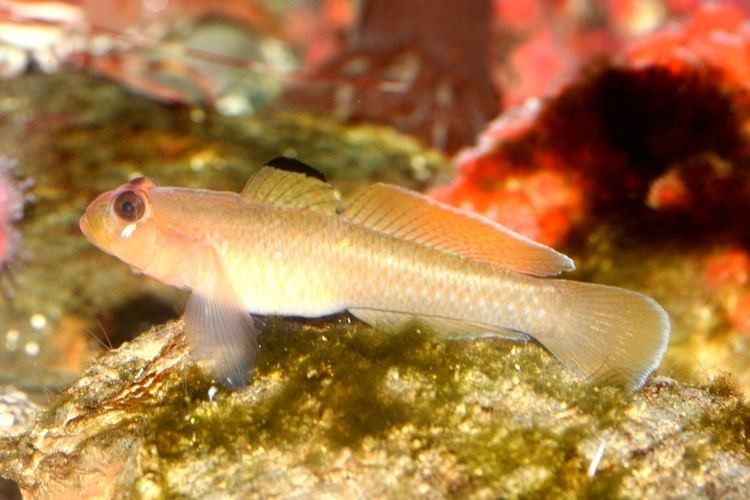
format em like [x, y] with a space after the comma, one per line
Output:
[617, 132]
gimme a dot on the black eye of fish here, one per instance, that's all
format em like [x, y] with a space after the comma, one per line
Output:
[130, 206]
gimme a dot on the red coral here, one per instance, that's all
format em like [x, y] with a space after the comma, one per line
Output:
[542, 205]
[728, 268]
[716, 36]
[739, 312]
[663, 128]
[669, 192]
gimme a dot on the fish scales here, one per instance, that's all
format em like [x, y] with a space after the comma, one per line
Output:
[286, 263]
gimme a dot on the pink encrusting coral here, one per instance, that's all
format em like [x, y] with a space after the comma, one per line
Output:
[726, 275]
[717, 35]
[11, 203]
[739, 312]
[542, 205]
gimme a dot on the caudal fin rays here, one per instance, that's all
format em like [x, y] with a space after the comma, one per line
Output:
[606, 334]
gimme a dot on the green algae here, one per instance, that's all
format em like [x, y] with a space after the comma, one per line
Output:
[728, 421]
[394, 413]
[333, 384]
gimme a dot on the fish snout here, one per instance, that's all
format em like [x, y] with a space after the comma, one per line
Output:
[93, 223]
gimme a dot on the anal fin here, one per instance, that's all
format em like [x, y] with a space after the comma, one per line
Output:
[449, 328]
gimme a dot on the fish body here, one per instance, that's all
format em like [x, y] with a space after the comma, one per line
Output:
[283, 247]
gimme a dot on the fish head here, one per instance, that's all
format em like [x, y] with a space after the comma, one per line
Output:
[121, 223]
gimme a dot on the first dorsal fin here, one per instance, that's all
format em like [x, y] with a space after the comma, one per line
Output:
[289, 183]
[411, 216]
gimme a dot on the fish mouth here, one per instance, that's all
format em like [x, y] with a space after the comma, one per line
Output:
[93, 227]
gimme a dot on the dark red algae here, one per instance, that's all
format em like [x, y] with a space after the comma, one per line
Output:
[652, 137]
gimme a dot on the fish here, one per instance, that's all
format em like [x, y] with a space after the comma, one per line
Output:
[286, 246]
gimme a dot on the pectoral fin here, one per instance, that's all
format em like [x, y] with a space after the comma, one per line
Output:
[221, 333]
[222, 338]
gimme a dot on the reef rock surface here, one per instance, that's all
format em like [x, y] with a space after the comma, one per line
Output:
[337, 408]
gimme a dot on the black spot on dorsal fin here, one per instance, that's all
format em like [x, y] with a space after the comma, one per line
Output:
[294, 165]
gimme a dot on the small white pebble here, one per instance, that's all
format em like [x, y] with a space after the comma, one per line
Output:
[595, 461]
[32, 349]
[11, 340]
[234, 105]
[197, 115]
[212, 391]
[38, 321]
[517, 367]
[419, 167]
[418, 162]
[197, 164]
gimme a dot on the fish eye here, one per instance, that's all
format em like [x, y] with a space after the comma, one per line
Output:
[130, 206]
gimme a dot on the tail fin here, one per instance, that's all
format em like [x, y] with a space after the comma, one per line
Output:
[607, 334]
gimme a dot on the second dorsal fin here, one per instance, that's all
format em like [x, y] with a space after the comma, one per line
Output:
[414, 217]
[289, 183]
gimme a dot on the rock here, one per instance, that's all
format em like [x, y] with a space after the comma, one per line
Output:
[337, 408]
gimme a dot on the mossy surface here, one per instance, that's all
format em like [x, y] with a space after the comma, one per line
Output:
[483, 418]
[338, 408]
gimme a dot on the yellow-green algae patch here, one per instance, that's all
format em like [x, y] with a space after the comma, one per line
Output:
[338, 408]
[336, 390]
[728, 422]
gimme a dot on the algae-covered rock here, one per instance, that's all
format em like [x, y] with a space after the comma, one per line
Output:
[338, 408]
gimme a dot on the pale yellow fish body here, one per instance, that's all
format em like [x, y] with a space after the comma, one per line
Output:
[282, 248]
